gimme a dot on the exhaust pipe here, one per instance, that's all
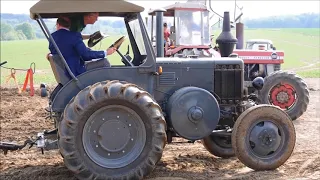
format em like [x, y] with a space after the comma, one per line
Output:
[239, 35]
[225, 40]
[159, 31]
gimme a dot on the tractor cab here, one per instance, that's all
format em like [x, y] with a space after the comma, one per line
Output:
[260, 44]
[188, 24]
[137, 64]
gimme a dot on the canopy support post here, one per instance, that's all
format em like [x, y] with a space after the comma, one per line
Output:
[41, 26]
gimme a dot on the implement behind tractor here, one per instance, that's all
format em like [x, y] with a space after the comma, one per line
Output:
[114, 122]
[190, 35]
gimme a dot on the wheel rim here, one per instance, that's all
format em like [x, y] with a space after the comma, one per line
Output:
[265, 139]
[114, 136]
[283, 95]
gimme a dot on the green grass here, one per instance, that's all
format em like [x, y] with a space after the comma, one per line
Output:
[304, 31]
[301, 47]
[315, 73]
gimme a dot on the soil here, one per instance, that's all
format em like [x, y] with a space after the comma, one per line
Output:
[23, 116]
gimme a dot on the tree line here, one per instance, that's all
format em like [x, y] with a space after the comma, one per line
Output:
[21, 27]
[310, 20]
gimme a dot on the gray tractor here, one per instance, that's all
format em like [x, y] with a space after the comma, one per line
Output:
[114, 122]
[190, 34]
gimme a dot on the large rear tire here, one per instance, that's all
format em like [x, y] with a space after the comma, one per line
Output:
[263, 137]
[287, 91]
[112, 130]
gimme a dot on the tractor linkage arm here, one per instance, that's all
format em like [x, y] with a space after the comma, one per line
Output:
[39, 141]
[13, 147]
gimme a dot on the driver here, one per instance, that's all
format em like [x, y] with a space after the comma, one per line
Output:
[80, 21]
[73, 48]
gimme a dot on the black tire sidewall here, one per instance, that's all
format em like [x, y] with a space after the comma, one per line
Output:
[241, 129]
[276, 78]
[215, 149]
[79, 143]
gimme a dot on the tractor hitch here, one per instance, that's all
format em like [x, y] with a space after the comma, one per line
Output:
[14, 147]
[40, 141]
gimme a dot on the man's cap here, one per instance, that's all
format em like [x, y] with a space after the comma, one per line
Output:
[95, 38]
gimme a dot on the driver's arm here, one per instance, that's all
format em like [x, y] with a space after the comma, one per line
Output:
[88, 54]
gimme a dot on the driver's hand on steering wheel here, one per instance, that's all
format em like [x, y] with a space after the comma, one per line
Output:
[111, 50]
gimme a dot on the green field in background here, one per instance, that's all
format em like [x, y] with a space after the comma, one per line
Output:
[20, 54]
[301, 47]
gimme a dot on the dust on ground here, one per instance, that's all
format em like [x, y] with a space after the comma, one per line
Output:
[23, 116]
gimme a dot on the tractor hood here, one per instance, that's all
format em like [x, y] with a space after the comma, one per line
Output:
[207, 63]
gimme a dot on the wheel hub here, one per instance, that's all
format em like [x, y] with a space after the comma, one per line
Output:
[195, 114]
[114, 136]
[107, 135]
[283, 96]
[265, 139]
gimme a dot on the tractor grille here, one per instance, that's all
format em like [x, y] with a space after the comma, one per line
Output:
[167, 79]
[228, 83]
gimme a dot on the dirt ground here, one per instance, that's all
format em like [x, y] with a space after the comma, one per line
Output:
[23, 116]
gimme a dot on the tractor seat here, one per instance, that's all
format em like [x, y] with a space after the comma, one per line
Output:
[60, 72]
[97, 64]
[59, 69]
[172, 30]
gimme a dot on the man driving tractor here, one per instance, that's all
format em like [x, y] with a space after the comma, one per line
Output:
[73, 48]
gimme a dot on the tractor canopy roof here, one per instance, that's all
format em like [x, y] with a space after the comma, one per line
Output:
[55, 8]
[259, 41]
[187, 6]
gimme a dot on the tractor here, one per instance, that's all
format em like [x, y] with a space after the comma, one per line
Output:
[189, 24]
[113, 122]
[260, 44]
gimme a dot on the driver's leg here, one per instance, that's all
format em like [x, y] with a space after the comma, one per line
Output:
[106, 62]
[98, 63]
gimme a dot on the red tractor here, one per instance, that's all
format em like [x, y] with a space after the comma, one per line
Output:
[189, 25]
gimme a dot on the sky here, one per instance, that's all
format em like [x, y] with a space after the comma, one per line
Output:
[251, 9]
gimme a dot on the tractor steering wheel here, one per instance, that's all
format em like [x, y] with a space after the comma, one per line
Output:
[117, 45]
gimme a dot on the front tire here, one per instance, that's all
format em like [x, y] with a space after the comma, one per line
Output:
[112, 130]
[263, 137]
[287, 91]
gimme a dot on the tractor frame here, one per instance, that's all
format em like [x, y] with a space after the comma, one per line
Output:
[114, 122]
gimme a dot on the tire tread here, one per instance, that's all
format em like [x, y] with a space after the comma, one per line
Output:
[99, 92]
[301, 86]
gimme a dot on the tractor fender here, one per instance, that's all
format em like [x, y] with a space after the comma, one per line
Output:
[71, 89]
